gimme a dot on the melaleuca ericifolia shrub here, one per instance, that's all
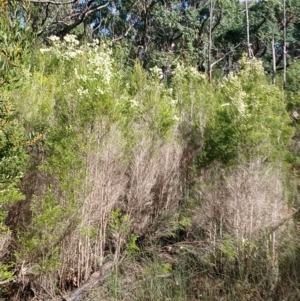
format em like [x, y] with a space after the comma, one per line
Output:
[240, 194]
[116, 137]
[107, 135]
[249, 119]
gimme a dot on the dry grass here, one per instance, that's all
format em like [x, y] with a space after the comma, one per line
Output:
[241, 203]
[143, 187]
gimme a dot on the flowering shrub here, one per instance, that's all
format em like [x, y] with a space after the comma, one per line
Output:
[248, 119]
[122, 137]
[88, 73]
[94, 61]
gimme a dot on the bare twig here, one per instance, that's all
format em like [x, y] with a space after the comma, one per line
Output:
[98, 7]
[125, 34]
[223, 57]
[53, 2]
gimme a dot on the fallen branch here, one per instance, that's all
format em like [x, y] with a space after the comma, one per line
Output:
[95, 280]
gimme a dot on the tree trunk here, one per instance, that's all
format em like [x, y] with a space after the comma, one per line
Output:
[250, 53]
[209, 63]
[274, 59]
[284, 44]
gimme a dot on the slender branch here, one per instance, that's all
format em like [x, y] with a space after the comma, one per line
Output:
[98, 7]
[223, 57]
[249, 5]
[125, 34]
[152, 4]
[46, 15]
[217, 22]
[81, 17]
[53, 2]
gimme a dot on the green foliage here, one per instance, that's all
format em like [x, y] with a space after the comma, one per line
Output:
[293, 87]
[194, 100]
[227, 248]
[156, 282]
[14, 41]
[120, 227]
[87, 103]
[132, 248]
[149, 103]
[119, 223]
[40, 242]
[6, 272]
[249, 119]
[13, 156]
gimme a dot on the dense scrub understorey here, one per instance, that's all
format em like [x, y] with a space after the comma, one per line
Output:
[190, 188]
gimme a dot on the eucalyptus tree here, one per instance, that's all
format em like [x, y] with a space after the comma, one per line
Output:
[284, 43]
[209, 34]
[211, 11]
[60, 17]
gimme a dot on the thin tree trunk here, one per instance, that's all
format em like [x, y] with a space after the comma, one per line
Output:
[210, 41]
[284, 44]
[250, 53]
[274, 59]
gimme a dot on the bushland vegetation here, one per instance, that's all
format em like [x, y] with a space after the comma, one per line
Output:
[187, 183]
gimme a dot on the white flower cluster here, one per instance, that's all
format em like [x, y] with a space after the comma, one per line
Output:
[43, 50]
[82, 91]
[100, 64]
[251, 65]
[195, 73]
[71, 39]
[94, 68]
[66, 49]
[156, 73]
[181, 72]
[239, 101]
[232, 87]
[95, 43]
[176, 118]
[133, 103]
[53, 38]
[82, 77]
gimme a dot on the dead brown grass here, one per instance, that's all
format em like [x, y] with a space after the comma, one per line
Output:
[242, 202]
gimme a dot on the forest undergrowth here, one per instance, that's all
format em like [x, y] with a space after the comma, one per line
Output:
[190, 188]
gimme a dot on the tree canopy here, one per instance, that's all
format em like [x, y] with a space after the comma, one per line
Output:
[161, 32]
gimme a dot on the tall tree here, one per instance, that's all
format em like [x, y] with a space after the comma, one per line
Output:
[284, 44]
[250, 53]
[209, 63]
[204, 33]
[273, 58]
